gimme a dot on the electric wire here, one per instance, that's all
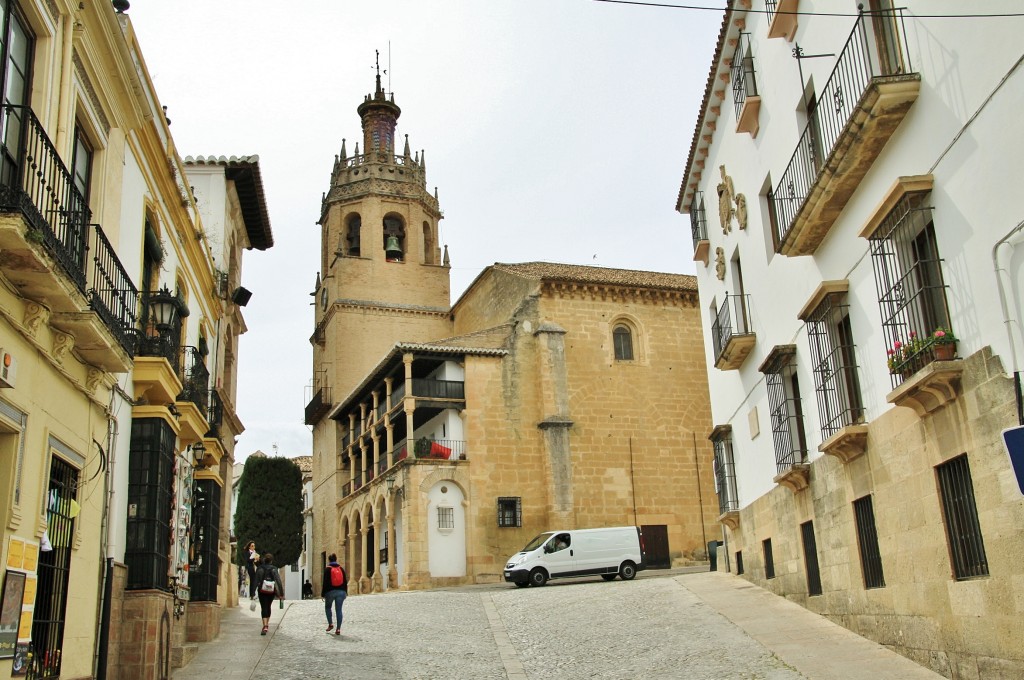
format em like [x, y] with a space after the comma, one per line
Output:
[664, 5]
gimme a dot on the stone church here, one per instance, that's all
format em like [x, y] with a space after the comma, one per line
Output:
[549, 396]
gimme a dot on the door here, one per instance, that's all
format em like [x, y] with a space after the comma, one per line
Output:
[559, 555]
[654, 546]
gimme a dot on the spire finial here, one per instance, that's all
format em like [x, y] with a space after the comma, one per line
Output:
[446, 261]
[379, 93]
[406, 152]
[344, 154]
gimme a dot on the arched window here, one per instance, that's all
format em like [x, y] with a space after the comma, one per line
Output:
[428, 244]
[352, 235]
[622, 338]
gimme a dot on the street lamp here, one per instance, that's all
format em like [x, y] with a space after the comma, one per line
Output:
[198, 456]
[163, 305]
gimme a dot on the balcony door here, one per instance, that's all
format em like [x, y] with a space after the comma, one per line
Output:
[16, 46]
[883, 23]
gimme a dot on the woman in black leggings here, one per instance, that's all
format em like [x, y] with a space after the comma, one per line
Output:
[267, 574]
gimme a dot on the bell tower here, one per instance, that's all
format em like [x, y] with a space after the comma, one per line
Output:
[382, 276]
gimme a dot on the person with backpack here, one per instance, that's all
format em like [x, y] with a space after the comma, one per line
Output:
[269, 587]
[334, 591]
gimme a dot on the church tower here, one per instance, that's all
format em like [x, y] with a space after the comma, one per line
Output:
[382, 279]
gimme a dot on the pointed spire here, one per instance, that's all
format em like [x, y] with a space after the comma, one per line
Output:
[406, 152]
[357, 148]
[435, 193]
[423, 161]
[317, 287]
[416, 158]
[344, 155]
[446, 261]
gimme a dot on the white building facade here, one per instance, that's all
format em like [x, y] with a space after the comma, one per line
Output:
[846, 191]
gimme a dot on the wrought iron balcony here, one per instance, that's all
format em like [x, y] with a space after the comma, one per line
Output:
[699, 228]
[731, 332]
[744, 87]
[318, 406]
[866, 97]
[195, 383]
[215, 413]
[113, 296]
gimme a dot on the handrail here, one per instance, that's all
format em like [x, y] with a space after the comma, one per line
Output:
[113, 296]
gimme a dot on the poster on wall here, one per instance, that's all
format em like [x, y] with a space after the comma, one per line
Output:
[10, 612]
[22, 659]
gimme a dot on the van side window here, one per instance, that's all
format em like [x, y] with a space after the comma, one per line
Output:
[560, 542]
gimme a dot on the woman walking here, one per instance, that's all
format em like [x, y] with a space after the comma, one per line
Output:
[335, 590]
[270, 587]
[252, 560]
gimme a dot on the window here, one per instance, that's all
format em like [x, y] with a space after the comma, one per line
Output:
[739, 562]
[81, 164]
[867, 542]
[784, 404]
[428, 244]
[510, 512]
[811, 559]
[622, 338]
[16, 73]
[725, 469]
[355, 223]
[835, 369]
[446, 518]
[960, 512]
[743, 82]
[909, 282]
[698, 219]
[769, 559]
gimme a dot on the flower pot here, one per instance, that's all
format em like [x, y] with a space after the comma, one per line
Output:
[945, 351]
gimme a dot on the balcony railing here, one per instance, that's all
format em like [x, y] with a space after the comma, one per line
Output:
[698, 220]
[425, 388]
[382, 408]
[113, 296]
[35, 182]
[318, 406]
[744, 84]
[346, 440]
[152, 343]
[447, 449]
[731, 324]
[382, 465]
[215, 413]
[346, 489]
[195, 383]
[397, 394]
[400, 452]
[875, 53]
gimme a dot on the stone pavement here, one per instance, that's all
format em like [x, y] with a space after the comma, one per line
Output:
[664, 625]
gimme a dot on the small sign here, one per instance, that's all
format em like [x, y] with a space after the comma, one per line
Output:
[1013, 440]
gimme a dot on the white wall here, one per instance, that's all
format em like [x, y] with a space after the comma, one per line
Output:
[977, 168]
[446, 547]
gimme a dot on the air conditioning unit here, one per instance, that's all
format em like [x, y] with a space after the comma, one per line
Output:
[8, 368]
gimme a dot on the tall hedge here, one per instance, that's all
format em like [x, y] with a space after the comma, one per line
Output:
[270, 509]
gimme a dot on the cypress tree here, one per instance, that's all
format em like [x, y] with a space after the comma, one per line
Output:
[269, 509]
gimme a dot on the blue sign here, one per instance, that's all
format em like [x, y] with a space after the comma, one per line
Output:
[1013, 439]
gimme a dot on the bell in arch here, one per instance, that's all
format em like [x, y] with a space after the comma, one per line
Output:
[392, 248]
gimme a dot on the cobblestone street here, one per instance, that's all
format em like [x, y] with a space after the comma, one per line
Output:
[702, 625]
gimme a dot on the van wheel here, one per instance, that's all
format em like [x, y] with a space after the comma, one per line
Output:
[609, 577]
[538, 577]
[627, 571]
[522, 584]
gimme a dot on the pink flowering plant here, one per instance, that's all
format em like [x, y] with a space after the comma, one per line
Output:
[901, 353]
[943, 336]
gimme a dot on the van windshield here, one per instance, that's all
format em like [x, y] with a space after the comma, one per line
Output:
[538, 541]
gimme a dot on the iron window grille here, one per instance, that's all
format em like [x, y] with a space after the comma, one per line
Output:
[54, 571]
[698, 219]
[733, 319]
[769, 559]
[150, 489]
[769, 10]
[744, 84]
[510, 511]
[623, 340]
[811, 559]
[785, 408]
[446, 518]
[960, 512]
[867, 542]
[725, 474]
[739, 562]
[205, 563]
[910, 285]
[836, 384]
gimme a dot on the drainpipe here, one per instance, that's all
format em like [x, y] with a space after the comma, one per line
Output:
[1009, 323]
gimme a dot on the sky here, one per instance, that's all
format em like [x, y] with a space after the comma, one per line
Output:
[554, 130]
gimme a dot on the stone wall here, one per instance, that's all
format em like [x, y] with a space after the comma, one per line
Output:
[965, 629]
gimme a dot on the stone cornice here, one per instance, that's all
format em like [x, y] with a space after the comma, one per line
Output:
[367, 305]
[379, 186]
[603, 291]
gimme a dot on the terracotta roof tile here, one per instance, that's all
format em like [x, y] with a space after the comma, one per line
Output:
[553, 271]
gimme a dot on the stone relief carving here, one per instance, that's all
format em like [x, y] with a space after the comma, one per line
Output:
[62, 344]
[720, 263]
[92, 379]
[725, 200]
[741, 210]
[35, 316]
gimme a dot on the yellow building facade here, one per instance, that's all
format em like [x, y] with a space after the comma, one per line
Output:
[548, 396]
[113, 565]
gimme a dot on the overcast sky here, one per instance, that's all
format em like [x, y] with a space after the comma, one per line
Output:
[554, 130]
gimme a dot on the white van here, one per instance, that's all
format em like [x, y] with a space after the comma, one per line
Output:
[611, 552]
